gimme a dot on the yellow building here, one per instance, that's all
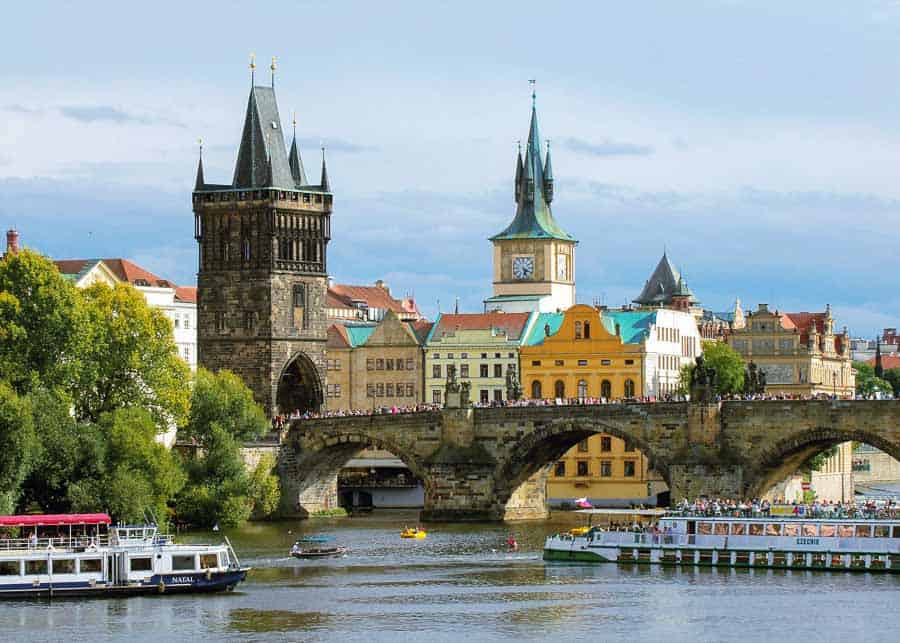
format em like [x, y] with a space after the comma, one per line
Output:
[581, 354]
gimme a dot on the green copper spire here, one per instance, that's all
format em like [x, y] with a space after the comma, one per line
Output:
[534, 192]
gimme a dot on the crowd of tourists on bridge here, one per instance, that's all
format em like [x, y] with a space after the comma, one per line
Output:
[281, 421]
[757, 508]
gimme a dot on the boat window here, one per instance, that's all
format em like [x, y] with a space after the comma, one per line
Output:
[182, 563]
[691, 526]
[721, 529]
[704, 528]
[829, 531]
[64, 566]
[896, 531]
[208, 561]
[773, 529]
[90, 565]
[809, 530]
[845, 531]
[756, 529]
[863, 531]
[738, 529]
[792, 530]
[9, 568]
[35, 566]
[142, 564]
[882, 531]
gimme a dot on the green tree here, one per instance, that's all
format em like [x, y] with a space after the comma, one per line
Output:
[265, 492]
[223, 415]
[729, 367]
[18, 444]
[867, 383]
[140, 476]
[130, 359]
[892, 377]
[41, 323]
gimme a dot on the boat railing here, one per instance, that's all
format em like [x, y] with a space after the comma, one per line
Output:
[806, 514]
[76, 543]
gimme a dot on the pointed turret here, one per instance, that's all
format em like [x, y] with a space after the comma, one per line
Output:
[297, 171]
[519, 170]
[199, 183]
[324, 184]
[534, 219]
[548, 176]
[664, 284]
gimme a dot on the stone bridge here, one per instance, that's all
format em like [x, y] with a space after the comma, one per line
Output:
[492, 463]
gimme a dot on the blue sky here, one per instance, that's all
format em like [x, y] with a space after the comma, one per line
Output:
[758, 141]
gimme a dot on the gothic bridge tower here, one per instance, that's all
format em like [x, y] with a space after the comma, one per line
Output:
[261, 279]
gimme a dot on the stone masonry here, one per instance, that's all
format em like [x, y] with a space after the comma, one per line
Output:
[490, 464]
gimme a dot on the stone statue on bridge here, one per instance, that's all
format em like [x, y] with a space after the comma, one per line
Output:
[452, 394]
[513, 389]
[704, 381]
[754, 380]
[465, 390]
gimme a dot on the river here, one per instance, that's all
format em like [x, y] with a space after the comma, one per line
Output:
[460, 583]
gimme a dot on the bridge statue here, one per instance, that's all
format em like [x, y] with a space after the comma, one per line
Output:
[754, 380]
[452, 397]
[704, 381]
[513, 389]
[465, 390]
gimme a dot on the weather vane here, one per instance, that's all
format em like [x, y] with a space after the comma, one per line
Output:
[532, 81]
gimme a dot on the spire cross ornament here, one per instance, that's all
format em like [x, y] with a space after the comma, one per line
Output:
[272, 67]
[532, 81]
[200, 143]
[252, 67]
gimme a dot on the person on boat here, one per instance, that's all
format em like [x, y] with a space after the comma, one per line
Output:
[511, 544]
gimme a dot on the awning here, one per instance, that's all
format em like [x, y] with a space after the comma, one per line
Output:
[53, 520]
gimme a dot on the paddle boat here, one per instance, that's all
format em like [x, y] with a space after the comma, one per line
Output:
[413, 532]
[302, 550]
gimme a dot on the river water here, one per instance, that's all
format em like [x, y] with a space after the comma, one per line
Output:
[460, 583]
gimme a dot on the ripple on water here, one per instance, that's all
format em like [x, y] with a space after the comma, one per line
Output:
[259, 621]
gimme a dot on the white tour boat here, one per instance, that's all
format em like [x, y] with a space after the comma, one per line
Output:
[85, 555]
[782, 542]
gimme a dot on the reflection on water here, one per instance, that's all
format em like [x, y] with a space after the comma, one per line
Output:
[461, 583]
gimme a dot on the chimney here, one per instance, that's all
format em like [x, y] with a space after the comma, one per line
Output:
[383, 286]
[12, 242]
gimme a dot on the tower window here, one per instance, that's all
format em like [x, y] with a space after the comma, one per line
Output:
[578, 330]
[298, 308]
[245, 249]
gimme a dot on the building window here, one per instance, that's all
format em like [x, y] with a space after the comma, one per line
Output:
[498, 370]
[560, 470]
[483, 395]
[389, 390]
[464, 370]
[559, 389]
[582, 389]
[497, 355]
[175, 321]
[298, 310]
[379, 364]
[582, 362]
[249, 319]
[187, 353]
[370, 364]
[379, 389]
[410, 391]
[578, 330]
[463, 356]
[389, 364]
[399, 364]
[605, 443]
[410, 365]
[629, 362]
[436, 397]
[220, 321]
[629, 468]
[436, 356]
[187, 322]
[498, 395]
[245, 249]
[587, 330]
[582, 468]
[605, 362]
[583, 446]
[483, 370]
[449, 355]
[436, 371]
[536, 362]
[536, 390]
[629, 388]
[370, 390]
[606, 389]
[605, 468]
[559, 362]
[484, 356]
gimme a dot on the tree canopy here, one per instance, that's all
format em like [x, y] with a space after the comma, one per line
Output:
[729, 367]
[867, 383]
[17, 446]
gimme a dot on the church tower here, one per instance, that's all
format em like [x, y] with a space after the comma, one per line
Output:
[262, 276]
[534, 258]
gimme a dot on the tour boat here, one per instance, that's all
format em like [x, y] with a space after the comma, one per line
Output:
[413, 532]
[85, 555]
[780, 542]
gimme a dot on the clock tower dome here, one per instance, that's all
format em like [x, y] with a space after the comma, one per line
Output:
[534, 258]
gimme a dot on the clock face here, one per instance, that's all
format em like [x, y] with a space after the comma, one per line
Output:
[523, 267]
[562, 272]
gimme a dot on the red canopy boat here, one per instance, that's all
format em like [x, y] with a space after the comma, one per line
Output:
[53, 520]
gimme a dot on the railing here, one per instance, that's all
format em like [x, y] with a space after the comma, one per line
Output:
[854, 514]
[43, 544]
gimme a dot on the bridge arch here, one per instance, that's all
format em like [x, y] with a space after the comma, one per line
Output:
[536, 452]
[312, 458]
[784, 457]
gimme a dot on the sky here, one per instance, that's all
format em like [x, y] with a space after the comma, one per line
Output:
[758, 143]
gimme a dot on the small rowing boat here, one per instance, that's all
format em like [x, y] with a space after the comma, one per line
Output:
[299, 551]
[413, 532]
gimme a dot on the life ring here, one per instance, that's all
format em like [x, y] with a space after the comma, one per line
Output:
[161, 588]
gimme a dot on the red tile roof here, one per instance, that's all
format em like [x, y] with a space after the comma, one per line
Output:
[374, 296]
[186, 293]
[332, 300]
[337, 337]
[421, 328]
[131, 272]
[887, 361]
[804, 323]
[513, 324]
[72, 266]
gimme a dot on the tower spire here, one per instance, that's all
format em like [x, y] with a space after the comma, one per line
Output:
[324, 184]
[548, 176]
[297, 171]
[199, 183]
[519, 170]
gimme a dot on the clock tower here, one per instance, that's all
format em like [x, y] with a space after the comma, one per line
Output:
[534, 258]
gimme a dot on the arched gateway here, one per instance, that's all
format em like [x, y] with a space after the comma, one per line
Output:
[299, 386]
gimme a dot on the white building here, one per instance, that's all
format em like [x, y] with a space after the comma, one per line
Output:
[673, 342]
[179, 303]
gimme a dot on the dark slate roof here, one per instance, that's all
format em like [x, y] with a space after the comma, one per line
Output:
[297, 172]
[534, 219]
[262, 158]
[664, 283]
